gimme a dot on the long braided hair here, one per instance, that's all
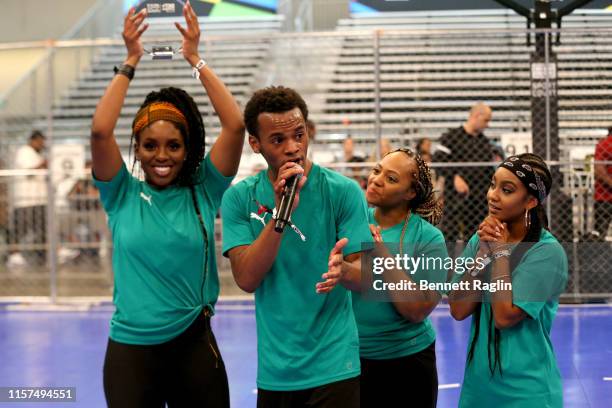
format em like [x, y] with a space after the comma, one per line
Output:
[425, 202]
[538, 221]
[194, 136]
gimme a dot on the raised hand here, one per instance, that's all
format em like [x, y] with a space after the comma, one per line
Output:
[191, 35]
[133, 28]
[334, 273]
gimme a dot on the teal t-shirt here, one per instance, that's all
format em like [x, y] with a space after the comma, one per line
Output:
[158, 255]
[383, 332]
[304, 339]
[530, 377]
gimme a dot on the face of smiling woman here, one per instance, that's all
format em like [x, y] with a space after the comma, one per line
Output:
[391, 180]
[160, 148]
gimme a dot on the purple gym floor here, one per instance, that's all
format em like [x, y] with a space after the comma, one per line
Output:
[46, 349]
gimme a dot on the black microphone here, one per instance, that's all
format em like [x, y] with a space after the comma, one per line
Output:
[286, 203]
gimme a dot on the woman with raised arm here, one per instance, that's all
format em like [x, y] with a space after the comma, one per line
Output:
[510, 361]
[161, 348]
[397, 339]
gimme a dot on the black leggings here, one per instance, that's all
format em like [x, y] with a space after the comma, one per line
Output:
[186, 371]
[410, 381]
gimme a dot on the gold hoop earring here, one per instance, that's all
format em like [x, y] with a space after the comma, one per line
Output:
[527, 219]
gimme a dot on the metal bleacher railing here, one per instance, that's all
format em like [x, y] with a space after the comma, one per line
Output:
[403, 77]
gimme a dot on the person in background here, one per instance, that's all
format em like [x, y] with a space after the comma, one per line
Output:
[603, 187]
[498, 153]
[350, 156]
[385, 148]
[5, 228]
[84, 203]
[423, 149]
[465, 185]
[30, 203]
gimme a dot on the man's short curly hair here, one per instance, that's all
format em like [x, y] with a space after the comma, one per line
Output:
[273, 99]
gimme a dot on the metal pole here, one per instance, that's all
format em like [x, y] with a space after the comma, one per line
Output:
[547, 107]
[377, 107]
[51, 230]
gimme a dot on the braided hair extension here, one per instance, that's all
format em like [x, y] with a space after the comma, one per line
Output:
[194, 136]
[539, 221]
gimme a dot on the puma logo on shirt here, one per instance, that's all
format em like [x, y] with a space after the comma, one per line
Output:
[145, 197]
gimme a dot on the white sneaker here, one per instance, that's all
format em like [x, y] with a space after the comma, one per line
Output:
[67, 254]
[16, 260]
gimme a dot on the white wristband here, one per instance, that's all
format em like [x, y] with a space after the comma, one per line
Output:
[196, 70]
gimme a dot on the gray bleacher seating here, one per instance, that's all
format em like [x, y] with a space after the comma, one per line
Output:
[430, 78]
[235, 58]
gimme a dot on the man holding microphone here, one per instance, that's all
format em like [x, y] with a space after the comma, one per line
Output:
[308, 350]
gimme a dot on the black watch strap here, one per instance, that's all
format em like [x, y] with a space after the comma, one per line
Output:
[125, 69]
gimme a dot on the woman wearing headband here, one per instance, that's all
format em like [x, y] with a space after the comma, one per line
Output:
[397, 340]
[510, 359]
[161, 348]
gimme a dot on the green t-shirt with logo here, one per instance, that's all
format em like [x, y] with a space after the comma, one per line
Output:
[158, 255]
[383, 332]
[530, 376]
[304, 339]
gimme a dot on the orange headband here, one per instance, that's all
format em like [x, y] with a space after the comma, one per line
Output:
[158, 111]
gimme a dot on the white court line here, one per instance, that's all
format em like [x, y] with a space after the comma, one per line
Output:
[48, 307]
[607, 378]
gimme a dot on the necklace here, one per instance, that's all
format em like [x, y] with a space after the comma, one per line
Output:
[401, 243]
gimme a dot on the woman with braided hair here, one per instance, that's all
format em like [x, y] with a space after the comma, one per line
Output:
[397, 340]
[510, 361]
[161, 348]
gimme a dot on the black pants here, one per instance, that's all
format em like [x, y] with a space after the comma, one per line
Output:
[410, 381]
[340, 394]
[185, 372]
[30, 227]
[603, 216]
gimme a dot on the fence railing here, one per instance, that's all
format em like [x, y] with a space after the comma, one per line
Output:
[372, 86]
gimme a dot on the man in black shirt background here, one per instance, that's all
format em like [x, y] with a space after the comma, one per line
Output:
[465, 187]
